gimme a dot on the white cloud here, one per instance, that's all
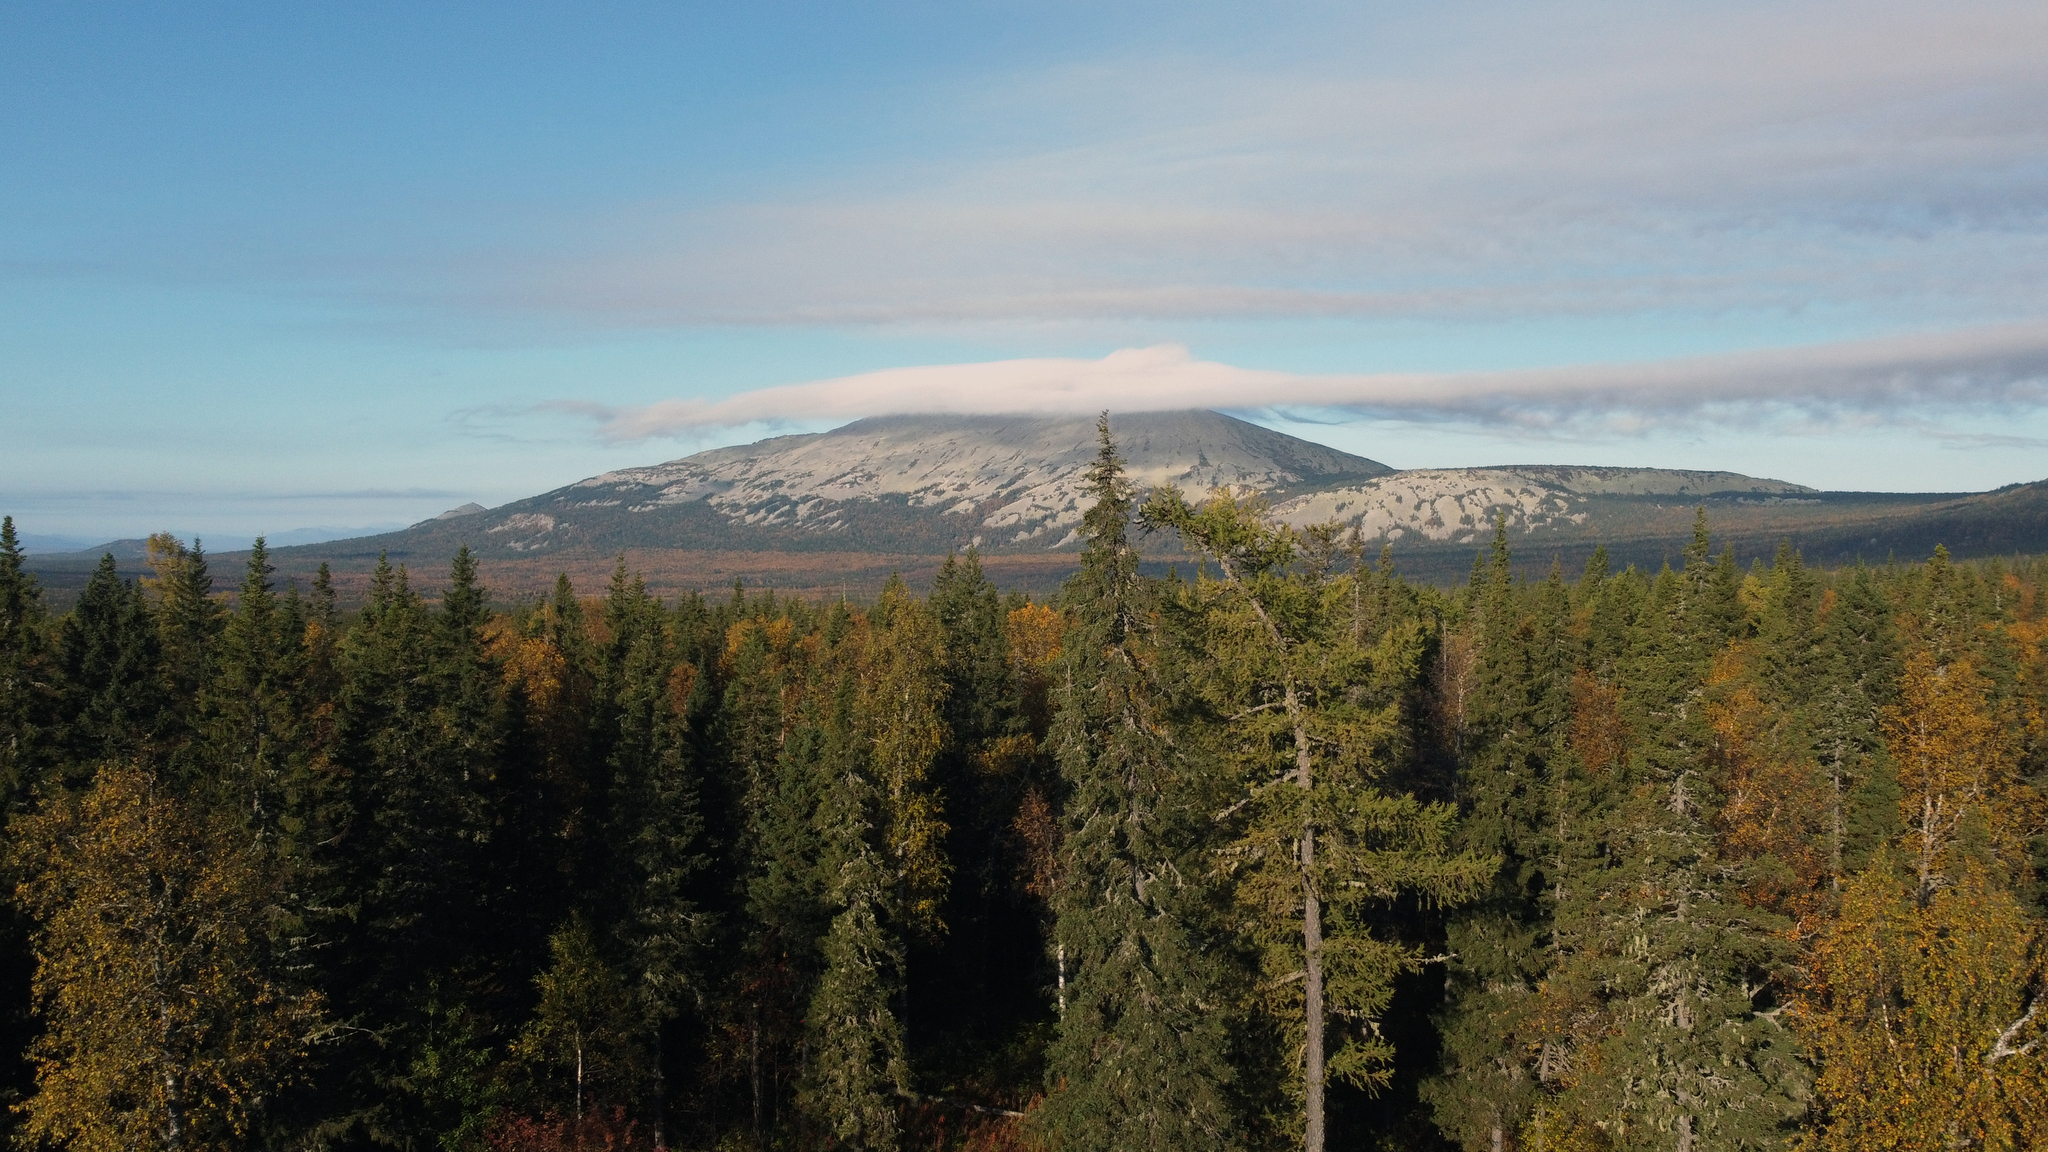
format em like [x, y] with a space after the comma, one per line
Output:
[1889, 378]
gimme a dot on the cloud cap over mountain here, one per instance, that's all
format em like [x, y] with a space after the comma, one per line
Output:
[1975, 368]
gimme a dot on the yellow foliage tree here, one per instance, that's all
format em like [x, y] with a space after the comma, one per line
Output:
[1958, 772]
[901, 692]
[589, 1030]
[1924, 995]
[1926, 1017]
[161, 1028]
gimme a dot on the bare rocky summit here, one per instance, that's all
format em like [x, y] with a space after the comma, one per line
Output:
[1458, 505]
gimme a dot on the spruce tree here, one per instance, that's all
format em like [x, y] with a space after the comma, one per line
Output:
[1510, 788]
[418, 752]
[981, 980]
[26, 681]
[1309, 715]
[858, 1065]
[1662, 974]
[116, 701]
[29, 693]
[1142, 1055]
[763, 744]
[253, 709]
[1856, 678]
[188, 617]
[653, 829]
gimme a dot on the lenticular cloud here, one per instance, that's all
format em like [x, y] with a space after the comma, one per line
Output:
[1973, 368]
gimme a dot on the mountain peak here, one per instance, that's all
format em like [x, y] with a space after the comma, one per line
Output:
[908, 483]
[457, 513]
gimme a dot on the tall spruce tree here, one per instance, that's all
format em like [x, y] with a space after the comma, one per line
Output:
[116, 701]
[977, 984]
[427, 915]
[770, 737]
[1508, 791]
[1654, 943]
[27, 682]
[253, 710]
[1309, 710]
[187, 615]
[1142, 1056]
[883, 869]
[29, 694]
[653, 829]
[1856, 679]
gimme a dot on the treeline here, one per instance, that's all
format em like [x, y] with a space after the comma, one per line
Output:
[1283, 852]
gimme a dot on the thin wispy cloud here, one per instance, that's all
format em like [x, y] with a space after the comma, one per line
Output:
[1458, 161]
[1482, 162]
[1887, 379]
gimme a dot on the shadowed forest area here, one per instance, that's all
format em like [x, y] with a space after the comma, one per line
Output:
[1282, 851]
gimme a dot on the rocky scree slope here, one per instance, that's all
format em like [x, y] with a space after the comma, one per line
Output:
[1423, 506]
[890, 484]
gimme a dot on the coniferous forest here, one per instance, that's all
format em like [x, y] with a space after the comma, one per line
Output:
[1277, 851]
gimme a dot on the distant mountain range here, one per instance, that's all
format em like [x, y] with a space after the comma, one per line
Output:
[901, 491]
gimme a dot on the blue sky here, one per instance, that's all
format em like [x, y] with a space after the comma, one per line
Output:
[266, 267]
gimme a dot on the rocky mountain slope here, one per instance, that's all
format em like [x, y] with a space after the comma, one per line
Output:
[1458, 505]
[844, 508]
[893, 483]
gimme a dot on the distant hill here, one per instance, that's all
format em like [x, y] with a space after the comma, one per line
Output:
[1435, 518]
[839, 510]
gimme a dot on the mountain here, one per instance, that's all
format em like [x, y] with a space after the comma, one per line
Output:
[841, 510]
[456, 513]
[894, 484]
[33, 542]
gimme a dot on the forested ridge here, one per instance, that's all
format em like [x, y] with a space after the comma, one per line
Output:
[1279, 851]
